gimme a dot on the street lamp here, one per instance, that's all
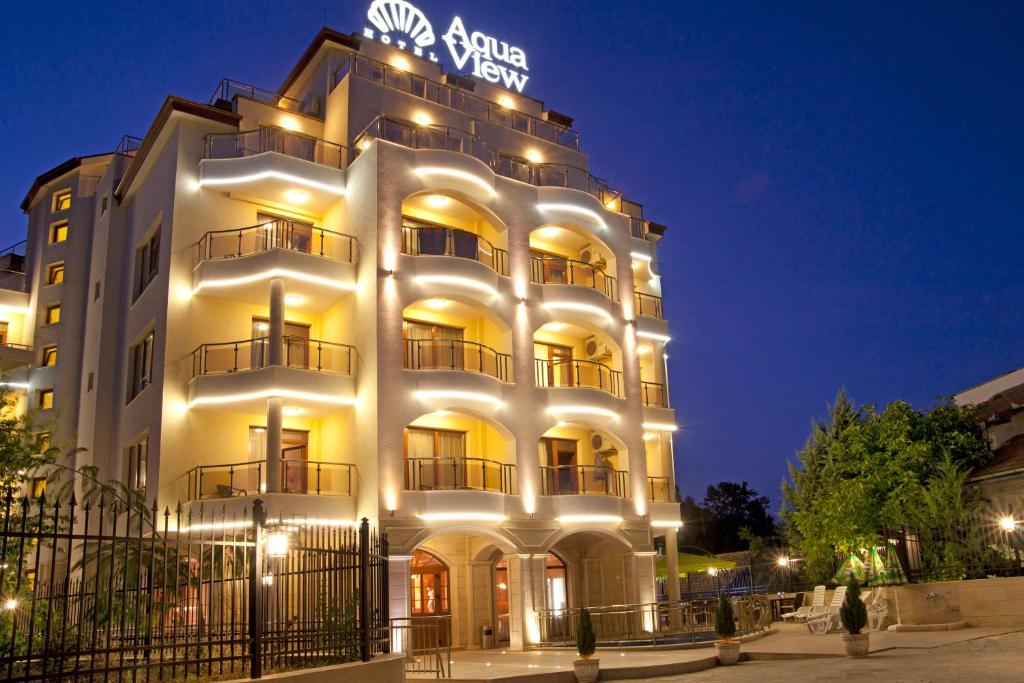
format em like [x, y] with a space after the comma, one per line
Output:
[783, 561]
[1008, 523]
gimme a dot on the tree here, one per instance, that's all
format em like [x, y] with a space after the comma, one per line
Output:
[734, 513]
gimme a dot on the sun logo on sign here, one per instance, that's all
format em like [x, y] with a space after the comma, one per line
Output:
[399, 16]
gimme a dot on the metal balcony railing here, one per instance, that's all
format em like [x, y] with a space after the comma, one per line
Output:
[456, 354]
[586, 374]
[653, 394]
[251, 354]
[555, 270]
[446, 474]
[443, 241]
[227, 90]
[584, 480]
[272, 139]
[648, 305]
[276, 234]
[661, 489]
[298, 476]
[638, 227]
[454, 98]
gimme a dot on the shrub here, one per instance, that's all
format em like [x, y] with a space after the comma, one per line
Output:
[725, 624]
[586, 641]
[853, 612]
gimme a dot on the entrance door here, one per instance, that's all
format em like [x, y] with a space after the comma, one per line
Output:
[501, 601]
[432, 346]
[429, 600]
[296, 352]
[561, 457]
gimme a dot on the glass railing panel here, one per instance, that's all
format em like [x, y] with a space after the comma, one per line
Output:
[456, 354]
[317, 478]
[660, 489]
[225, 481]
[228, 357]
[313, 354]
[648, 305]
[277, 234]
[584, 480]
[446, 474]
[653, 394]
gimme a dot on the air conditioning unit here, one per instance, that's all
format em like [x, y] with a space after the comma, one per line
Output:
[597, 350]
[603, 447]
[590, 254]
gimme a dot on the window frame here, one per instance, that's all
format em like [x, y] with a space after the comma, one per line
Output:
[136, 462]
[46, 353]
[140, 369]
[40, 394]
[57, 200]
[55, 228]
[50, 308]
[51, 269]
[147, 262]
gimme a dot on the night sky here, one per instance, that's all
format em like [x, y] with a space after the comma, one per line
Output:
[842, 182]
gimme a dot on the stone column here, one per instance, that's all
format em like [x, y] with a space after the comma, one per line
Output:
[672, 580]
[398, 596]
[275, 422]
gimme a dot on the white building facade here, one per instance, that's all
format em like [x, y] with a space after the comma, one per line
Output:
[380, 291]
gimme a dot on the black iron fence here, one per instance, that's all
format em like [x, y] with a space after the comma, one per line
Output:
[113, 591]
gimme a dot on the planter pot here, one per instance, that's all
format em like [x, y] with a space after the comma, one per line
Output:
[855, 645]
[586, 670]
[727, 653]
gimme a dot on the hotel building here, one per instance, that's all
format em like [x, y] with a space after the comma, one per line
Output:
[380, 291]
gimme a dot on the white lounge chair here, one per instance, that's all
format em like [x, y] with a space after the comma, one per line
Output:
[805, 612]
[829, 620]
[878, 611]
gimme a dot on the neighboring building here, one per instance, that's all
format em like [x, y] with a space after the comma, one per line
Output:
[381, 291]
[1002, 403]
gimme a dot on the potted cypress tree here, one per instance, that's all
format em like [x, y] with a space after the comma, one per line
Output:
[586, 669]
[854, 616]
[727, 651]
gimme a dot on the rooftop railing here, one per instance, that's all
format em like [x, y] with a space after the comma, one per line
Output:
[252, 354]
[454, 98]
[276, 234]
[444, 241]
[446, 474]
[128, 145]
[584, 480]
[586, 374]
[556, 270]
[456, 354]
[227, 90]
[272, 139]
[648, 305]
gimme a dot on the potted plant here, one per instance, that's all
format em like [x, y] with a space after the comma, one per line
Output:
[586, 668]
[727, 651]
[854, 616]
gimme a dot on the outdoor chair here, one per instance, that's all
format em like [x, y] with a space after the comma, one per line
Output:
[830, 619]
[878, 611]
[805, 612]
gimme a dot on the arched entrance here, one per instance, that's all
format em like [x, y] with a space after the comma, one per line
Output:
[429, 590]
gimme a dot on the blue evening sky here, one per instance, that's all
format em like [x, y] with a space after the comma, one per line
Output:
[842, 181]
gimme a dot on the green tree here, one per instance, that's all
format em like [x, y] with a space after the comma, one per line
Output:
[734, 513]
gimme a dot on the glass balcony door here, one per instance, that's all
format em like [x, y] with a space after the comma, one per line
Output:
[559, 365]
[561, 458]
[435, 346]
[438, 456]
[296, 344]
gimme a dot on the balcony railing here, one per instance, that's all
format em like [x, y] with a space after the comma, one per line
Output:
[271, 139]
[441, 241]
[661, 489]
[454, 98]
[456, 354]
[308, 477]
[555, 270]
[653, 394]
[648, 305]
[446, 474]
[638, 227]
[584, 480]
[227, 90]
[251, 354]
[276, 234]
[414, 136]
[578, 373]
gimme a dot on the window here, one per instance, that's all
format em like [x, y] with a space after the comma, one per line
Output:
[435, 459]
[140, 374]
[49, 356]
[58, 232]
[38, 486]
[43, 441]
[3, 334]
[53, 314]
[44, 399]
[136, 458]
[96, 291]
[91, 381]
[55, 273]
[147, 262]
[61, 201]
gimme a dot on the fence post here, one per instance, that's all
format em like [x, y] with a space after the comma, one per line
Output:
[255, 604]
[364, 589]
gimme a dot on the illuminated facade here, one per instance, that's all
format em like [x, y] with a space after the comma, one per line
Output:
[380, 291]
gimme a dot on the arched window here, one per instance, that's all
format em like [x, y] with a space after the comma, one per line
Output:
[428, 585]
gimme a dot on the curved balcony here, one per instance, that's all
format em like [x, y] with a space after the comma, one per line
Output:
[314, 376]
[454, 474]
[648, 305]
[660, 489]
[443, 241]
[584, 374]
[456, 354]
[555, 270]
[584, 480]
[276, 234]
[653, 394]
[272, 139]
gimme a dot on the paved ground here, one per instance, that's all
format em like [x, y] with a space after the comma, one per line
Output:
[990, 659]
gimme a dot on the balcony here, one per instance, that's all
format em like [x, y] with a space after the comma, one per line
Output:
[444, 241]
[648, 305]
[456, 354]
[454, 98]
[13, 356]
[277, 167]
[584, 480]
[456, 474]
[228, 91]
[660, 489]
[583, 374]
[300, 477]
[653, 394]
[315, 377]
[555, 270]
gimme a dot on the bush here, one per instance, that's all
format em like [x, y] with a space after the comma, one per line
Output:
[586, 641]
[725, 623]
[853, 612]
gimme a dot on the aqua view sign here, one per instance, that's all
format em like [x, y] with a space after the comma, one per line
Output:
[401, 24]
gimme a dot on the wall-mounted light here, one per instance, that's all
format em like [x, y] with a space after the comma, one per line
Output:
[297, 196]
[660, 427]
[1007, 523]
[294, 299]
[534, 156]
[456, 173]
[655, 336]
[422, 118]
[666, 523]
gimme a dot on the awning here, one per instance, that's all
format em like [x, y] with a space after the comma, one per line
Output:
[693, 564]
